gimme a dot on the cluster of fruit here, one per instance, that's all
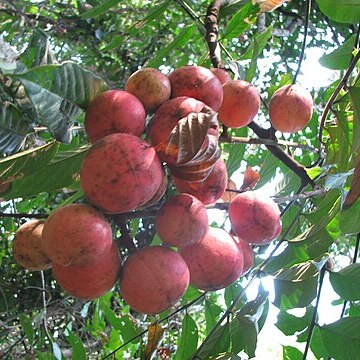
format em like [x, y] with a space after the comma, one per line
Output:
[122, 172]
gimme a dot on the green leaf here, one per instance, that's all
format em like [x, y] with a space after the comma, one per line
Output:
[342, 338]
[291, 353]
[179, 41]
[236, 153]
[355, 103]
[79, 352]
[289, 324]
[14, 128]
[231, 292]
[317, 345]
[346, 282]
[342, 11]
[251, 72]
[188, 341]
[243, 335]
[350, 219]
[340, 58]
[62, 171]
[241, 21]
[259, 42]
[27, 326]
[100, 9]
[295, 287]
[26, 162]
[212, 314]
[354, 309]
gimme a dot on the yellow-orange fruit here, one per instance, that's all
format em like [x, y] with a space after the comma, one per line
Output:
[240, 104]
[290, 108]
[254, 217]
[182, 220]
[27, 248]
[153, 279]
[92, 280]
[114, 111]
[76, 234]
[120, 173]
[211, 189]
[221, 74]
[197, 82]
[150, 86]
[215, 262]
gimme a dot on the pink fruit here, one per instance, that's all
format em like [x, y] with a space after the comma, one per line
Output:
[211, 189]
[76, 234]
[254, 217]
[150, 86]
[215, 262]
[290, 108]
[182, 220]
[92, 280]
[114, 111]
[120, 173]
[240, 104]
[247, 251]
[197, 82]
[153, 279]
[222, 75]
[27, 246]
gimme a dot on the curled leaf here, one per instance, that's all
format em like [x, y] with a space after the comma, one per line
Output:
[251, 178]
[268, 5]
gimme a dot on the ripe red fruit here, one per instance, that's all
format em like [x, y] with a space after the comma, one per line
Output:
[215, 262]
[150, 86]
[120, 173]
[182, 220]
[209, 190]
[290, 108]
[240, 104]
[92, 280]
[221, 74]
[197, 82]
[114, 111]
[153, 279]
[27, 248]
[247, 252]
[76, 234]
[254, 217]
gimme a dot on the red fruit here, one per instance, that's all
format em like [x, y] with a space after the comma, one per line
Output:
[211, 189]
[150, 86]
[182, 220]
[290, 108]
[27, 246]
[247, 251]
[221, 74]
[240, 104]
[153, 279]
[166, 118]
[76, 234]
[215, 262]
[92, 280]
[197, 82]
[254, 217]
[120, 173]
[114, 111]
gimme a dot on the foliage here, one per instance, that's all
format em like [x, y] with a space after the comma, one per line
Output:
[55, 56]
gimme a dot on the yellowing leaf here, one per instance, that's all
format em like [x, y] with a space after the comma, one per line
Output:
[251, 178]
[268, 5]
[155, 334]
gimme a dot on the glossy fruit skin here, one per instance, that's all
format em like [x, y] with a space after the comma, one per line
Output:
[182, 220]
[92, 280]
[76, 234]
[254, 217]
[248, 253]
[290, 108]
[215, 262]
[221, 74]
[166, 118]
[240, 104]
[114, 111]
[150, 86]
[120, 173]
[153, 279]
[211, 189]
[27, 248]
[197, 82]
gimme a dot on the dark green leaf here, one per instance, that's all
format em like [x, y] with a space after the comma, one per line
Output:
[27, 326]
[289, 324]
[79, 352]
[346, 282]
[354, 309]
[259, 42]
[212, 314]
[236, 153]
[340, 58]
[342, 11]
[355, 103]
[291, 353]
[231, 292]
[251, 72]
[100, 9]
[342, 338]
[317, 345]
[187, 342]
[350, 219]
[243, 335]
